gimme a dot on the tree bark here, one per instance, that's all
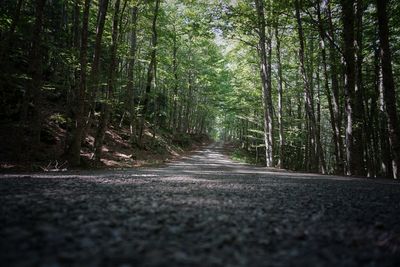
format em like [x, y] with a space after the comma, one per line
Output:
[105, 115]
[131, 69]
[336, 103]
[359, 116]
[389, 92]
[333, 115]
[150, 71]
[281, 160]
[307, 92]
[266, 89]
[353, 127]
[73, 151]
[176, 81]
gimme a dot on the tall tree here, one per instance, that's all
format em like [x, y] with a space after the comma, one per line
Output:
[334, 120]
[131, 69]
[265, 79]
[150, 69]
[307, 92]
[74, 148]
[281, 160]
[353, 127]
[389, 92]
[106, 108]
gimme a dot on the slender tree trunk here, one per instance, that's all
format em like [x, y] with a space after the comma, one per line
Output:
[188, 103]
[387, 169]
[150, 71]
[266, 90]
[105, 115]
[307, 92]
[333, 115]
[75, 42]
[73, 151]
[336, 103]
[374, 117]
[359, 111]
[389, 92]
[176, 81]
[131, 69]
[281, 160]
[94, 79]
[353, 128]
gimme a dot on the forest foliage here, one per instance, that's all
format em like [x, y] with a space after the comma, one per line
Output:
[302, 85]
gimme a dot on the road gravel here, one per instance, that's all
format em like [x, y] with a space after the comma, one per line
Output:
[202, 210]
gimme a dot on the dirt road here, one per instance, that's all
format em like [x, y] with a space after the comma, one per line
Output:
[203, 210]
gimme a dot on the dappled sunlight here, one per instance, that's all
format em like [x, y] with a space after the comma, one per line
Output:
[204, 166]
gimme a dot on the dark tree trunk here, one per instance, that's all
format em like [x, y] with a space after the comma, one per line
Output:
[359, 117]
[354, 155]
[105, 114]
[94, 79]
[74, 148]
[389, 92]
[94, 75]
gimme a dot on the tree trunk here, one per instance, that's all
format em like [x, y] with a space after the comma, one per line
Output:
[74, 149]
[188, 103]
[94, 80]
[105, 115]
[150, 71]
[131, 69]
[176, 81]
[335, 89]
[333, 115]
[281, 160]
[359, 117]
[389, 92]
[307, 92]
[266, 90]
[354, 155]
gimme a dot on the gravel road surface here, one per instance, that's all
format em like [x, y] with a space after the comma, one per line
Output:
[203, 210]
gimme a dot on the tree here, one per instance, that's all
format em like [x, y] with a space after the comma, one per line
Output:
[389, 92]
[150, 70]
[266, 86]
[74, 149]
[353, 127]
[307, 93]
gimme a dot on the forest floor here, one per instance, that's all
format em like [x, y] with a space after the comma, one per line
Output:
[201, 210]
[118, 150]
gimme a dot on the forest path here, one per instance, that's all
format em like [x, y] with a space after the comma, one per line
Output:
[202, 210]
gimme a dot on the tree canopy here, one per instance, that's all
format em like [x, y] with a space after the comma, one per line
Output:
[302, 85]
